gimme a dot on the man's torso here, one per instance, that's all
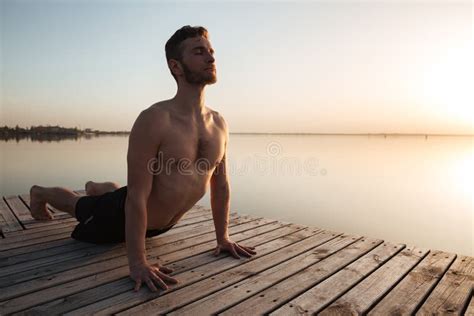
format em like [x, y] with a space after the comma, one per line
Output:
[187, 156]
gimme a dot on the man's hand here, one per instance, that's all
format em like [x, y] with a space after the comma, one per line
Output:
[234, 249]
[151, 275]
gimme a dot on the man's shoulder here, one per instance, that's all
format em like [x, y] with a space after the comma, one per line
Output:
[153, 118]
[218, 118]
[157, 111]
[159, 108]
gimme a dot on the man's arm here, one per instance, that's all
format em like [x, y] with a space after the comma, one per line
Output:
[220, 204]
[144, 141]
[220, 200]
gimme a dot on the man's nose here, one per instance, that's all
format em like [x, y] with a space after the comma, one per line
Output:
[210, 58]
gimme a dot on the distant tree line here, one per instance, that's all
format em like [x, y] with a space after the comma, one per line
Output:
[51, 133]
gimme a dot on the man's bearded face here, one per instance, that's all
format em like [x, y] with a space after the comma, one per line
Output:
[199, 77]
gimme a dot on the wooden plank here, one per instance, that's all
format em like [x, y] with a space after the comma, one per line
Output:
[263, 299]
[368, 292]
[196, 219]
[51, 228]
[9, 221]
[205, 267]
[35, 248]
[262, 292]
[46, 266]
[7, 258]
[97, 275]
[12, 241]
[19, 208]
[198, 290]
[408, 295]
[38, 224]
[31, 242]
[61, 234]
[71, 302]
[43, 253]
[44, 244]
[97, 263]
[326, 292]
[454, 290]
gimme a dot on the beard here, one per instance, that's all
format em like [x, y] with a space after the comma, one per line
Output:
[194, 77]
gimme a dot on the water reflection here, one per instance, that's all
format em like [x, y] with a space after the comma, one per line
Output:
[410, 190]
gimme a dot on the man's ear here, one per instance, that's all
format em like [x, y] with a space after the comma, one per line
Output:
[175, 67]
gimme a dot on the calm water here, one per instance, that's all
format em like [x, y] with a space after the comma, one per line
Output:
[404, 189]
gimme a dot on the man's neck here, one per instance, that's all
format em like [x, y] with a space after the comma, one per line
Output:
[190, 99]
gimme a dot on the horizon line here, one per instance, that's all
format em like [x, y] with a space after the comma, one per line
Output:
[353, 134]
[285, 133]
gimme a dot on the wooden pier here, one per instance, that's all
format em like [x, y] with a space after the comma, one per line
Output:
[297, 270]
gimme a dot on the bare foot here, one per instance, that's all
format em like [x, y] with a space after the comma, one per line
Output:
[38, 208]
[89, 188]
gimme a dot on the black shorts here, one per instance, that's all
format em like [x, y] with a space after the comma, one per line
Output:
[102, 218]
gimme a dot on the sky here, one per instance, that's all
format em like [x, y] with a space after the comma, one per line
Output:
[282, 67]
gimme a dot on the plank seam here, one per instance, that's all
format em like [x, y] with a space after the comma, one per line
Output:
[68, 235]
[94, 245]
[423, 301]
[361, 280]
[323, 279]
[118, 293]
[210, 275]
[395, 284]
[188, 268]
[118, 256]
[265, 224]
[289, 276]
[269, 267]
[466, 305]
[217, 258]
[11, 210]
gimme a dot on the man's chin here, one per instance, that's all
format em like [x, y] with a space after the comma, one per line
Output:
[206, 81]
[211, 81]
[201, 80]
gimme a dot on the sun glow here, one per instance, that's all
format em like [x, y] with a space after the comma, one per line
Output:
[447, 86]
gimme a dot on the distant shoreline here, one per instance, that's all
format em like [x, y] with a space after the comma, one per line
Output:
[51, 133]
[39, 131]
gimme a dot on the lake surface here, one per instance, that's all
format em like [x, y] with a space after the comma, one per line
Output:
[405, 189]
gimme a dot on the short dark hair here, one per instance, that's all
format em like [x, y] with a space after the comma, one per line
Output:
[173, 47]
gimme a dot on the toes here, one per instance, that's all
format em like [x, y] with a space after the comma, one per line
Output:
[33, 190]
[43, 217]
[89, 187]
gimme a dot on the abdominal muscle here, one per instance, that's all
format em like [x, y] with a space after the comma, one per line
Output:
[172, 196]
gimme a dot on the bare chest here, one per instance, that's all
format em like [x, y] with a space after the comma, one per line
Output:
[202, 149]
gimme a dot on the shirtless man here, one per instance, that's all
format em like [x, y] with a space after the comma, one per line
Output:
[176, 149]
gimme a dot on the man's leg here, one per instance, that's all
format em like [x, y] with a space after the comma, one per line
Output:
[99, 188]
[60, 198]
